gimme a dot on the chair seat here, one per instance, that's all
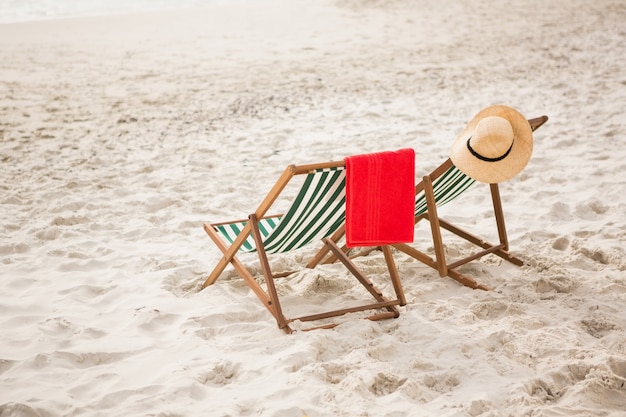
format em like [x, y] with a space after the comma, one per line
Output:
[230, 231]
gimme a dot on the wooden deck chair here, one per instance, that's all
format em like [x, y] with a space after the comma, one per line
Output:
[317, 213]
[441, 186]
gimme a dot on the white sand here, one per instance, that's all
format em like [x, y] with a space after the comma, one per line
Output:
[120, 135]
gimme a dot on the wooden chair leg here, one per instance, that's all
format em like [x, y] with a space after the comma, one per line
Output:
[499, 213]
[241, 269]
[276, 309]
[497, 207]
[393, 273]
[344, 259]
[321, 254]
[440, 255]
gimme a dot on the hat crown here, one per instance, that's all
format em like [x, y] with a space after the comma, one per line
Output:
[494, 146]
[493, 137]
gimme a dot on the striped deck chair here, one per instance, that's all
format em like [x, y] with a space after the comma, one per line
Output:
[317, 213]
[441, 186]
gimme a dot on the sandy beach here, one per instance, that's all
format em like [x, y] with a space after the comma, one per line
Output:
[121, 135]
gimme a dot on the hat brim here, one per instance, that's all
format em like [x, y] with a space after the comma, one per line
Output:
[498, 171]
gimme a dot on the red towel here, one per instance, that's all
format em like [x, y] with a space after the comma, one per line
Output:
[380, 198]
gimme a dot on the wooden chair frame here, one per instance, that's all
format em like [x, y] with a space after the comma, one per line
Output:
[269, 296]
[439, 262]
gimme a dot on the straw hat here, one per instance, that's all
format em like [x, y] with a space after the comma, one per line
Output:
[495, 146]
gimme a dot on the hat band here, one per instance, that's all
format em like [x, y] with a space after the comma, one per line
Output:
[486, 159]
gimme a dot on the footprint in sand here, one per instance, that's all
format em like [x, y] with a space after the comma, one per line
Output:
[560, 243]
[590, 210]
[222, 373]
[557, 283]
[5, 365]
[597, 255]
[489, 310]
[17, 410]
[598, 326]
[334, 373]
[386, 384]
[580, 382]
[441, 382]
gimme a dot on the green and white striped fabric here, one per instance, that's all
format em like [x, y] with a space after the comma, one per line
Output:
[317, 212]
[446, 188]
[230, 231]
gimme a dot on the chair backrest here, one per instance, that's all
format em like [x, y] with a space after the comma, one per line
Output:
[446, 187]
[317, 211]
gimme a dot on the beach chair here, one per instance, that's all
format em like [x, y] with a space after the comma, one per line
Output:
[440, 187]
[317, 213]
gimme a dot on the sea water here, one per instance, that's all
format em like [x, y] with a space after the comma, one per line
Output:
[28, 10]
